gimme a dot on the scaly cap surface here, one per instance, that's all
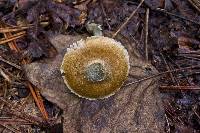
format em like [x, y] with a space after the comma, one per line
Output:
[95, 68]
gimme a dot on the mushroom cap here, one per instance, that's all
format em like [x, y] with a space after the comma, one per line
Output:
[95, 68]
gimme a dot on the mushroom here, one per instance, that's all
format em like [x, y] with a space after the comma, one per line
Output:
[95, 68]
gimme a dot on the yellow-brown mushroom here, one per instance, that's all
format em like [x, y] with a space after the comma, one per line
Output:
[95, 68]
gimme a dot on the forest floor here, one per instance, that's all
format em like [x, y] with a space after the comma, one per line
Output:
[166, 33]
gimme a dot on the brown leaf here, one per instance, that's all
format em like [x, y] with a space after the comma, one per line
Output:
[136, 108]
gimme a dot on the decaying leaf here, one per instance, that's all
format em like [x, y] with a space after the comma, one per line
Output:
[153, 4]
[135, 108]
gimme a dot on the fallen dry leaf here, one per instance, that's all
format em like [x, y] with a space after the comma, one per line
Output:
[136, 108]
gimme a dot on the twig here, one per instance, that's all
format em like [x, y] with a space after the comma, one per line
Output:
[146, 33]
[160, 74]
[10, 63]
[172, 14]
[129, 18]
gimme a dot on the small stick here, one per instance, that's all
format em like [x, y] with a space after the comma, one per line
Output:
[10, 63]
[146, 33]
[129, 18]
[160, 74]
[179, 87]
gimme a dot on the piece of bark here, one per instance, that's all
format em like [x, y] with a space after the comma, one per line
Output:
[135, 108]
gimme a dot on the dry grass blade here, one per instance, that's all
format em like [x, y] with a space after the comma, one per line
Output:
[168, 68]
[6, 77]
[12, 37]
[128, 19]
[19, 28]
[146, 33]
[172, 14]
[160, 74]
[20, 114]
[10, 63]
[5, 30]
[179, 88]
[39, 102]
[13, 121]
[196, 4]
[10, 128]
